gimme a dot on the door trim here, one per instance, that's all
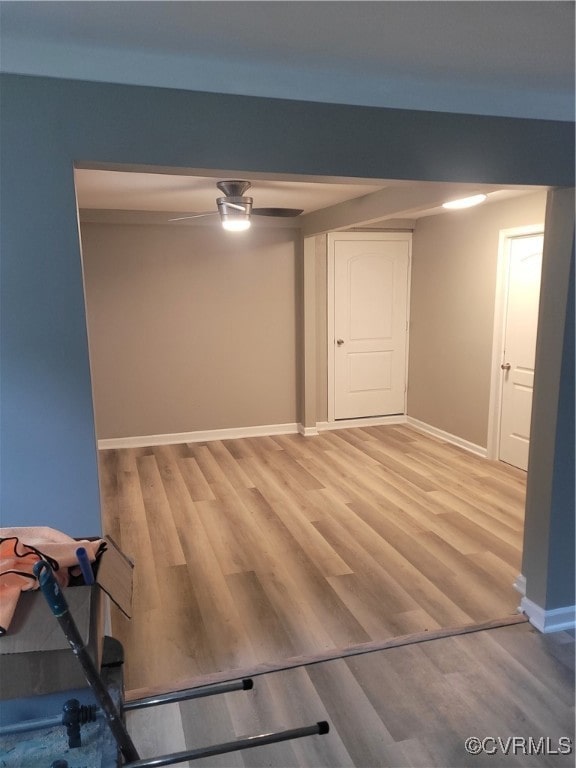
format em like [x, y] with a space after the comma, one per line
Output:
[502, 270]
[330, 337]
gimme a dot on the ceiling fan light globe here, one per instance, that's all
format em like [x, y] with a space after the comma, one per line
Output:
[235, 213]
[235, 223]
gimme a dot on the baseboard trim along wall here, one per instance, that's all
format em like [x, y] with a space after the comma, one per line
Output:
[307, 431]
[556, 620]
[374, 421]
[145, 441]
[478, 450]
[265, 430]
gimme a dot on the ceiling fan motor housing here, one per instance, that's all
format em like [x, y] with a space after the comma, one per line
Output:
[233, 188]
[235, 205]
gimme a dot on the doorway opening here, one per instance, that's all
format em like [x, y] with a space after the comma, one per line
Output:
[154, 486]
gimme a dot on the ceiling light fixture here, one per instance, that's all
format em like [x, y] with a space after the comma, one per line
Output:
[464, 202]
[235, 210]
[235, 213]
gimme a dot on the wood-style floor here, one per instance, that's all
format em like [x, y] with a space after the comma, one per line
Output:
[410, 706]
[260, 549]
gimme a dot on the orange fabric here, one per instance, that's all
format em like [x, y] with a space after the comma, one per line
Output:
[20, 548]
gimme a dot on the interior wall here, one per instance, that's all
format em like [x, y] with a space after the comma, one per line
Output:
[454, 268]
[548, 552]
[190, 328]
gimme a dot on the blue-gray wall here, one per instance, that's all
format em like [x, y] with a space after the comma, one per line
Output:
[561, 590]
[48, 453]
[548, 551]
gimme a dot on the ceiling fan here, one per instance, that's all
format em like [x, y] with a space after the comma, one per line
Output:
[235, 209]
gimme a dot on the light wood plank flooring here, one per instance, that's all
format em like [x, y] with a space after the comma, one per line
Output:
[410, 706]
[259, 549]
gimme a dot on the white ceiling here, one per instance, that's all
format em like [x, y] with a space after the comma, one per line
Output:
[111, 193]
[499, 57]
[117, 190]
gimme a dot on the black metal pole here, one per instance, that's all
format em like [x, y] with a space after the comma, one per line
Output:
[231, 746]
[59, 607]
[31, 725]
[189, 693]
[86, 713]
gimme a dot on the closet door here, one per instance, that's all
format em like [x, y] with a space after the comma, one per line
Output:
[370, 323]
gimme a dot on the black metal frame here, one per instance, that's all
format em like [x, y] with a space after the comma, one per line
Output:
[115, 717]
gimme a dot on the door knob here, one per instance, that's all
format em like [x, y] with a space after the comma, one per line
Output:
[339, 342]
[505, 366]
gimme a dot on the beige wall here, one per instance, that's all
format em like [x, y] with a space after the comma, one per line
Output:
[190, 328]
[454, 265]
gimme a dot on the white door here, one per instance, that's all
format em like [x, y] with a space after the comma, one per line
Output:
[525, 265]
[370, 323]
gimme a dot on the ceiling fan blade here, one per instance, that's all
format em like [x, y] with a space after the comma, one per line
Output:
[279, 212]
[194, 216]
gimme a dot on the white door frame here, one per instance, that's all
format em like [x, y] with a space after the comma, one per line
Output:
[495, 408]
[332, 236]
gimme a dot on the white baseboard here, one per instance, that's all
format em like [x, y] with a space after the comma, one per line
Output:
[375, 421]
[144, 441]
[447, 437]
[520, 584]
[264, 430]
[307, 431]
[556, 620]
